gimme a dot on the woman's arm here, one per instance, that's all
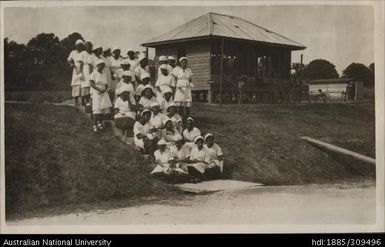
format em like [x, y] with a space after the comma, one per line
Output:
[93, 85]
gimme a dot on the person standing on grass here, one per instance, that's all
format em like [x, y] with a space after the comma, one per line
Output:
[175, 117]
[164, 81]
[133, 61]
[162, 60]
[199, 158]
[143, 138]
[216, 156]
[106, 56]
[101, 102]
[322, 95]
[76, 62]
[183, 98]
[171, 64]
[116, 62]
[190, 133]
[88, 67]
[167, 100]
[142, 70]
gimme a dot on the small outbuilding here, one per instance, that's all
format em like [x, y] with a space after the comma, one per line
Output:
[251, 55]
[343, 89]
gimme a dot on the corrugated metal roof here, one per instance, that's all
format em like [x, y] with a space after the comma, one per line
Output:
[222, 26]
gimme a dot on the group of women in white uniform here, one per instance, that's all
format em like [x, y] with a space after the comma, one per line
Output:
[156, 112]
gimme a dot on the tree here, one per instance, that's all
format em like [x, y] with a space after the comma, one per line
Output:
[69, 41]
[360, 72]
[320, 69]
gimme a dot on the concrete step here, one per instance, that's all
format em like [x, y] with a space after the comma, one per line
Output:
[215, 185]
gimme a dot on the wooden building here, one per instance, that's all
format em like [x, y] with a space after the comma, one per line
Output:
[257, 55]
[339, 89]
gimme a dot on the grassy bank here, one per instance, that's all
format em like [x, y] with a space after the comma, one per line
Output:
[261, 142]
[53, 160]
[38, 96]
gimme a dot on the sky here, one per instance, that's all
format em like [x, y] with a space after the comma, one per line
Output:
[339, 34]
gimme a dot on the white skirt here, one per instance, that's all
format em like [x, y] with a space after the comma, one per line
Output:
[200, 166]
[183, 94]
[100, 101]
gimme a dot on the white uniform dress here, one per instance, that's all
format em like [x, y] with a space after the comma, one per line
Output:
[87, 63]
[124, 109]
[77, 75]
[140, 72]
[189, 136]
[127, 87]
[101, 102]
[177, 122]
[170, 136]
[214, 152]
[201, 156]
[183, 86]
[163, 160]
[115, 69]
[164, 104]
[95, 59]
[146, 102]
[180, 154]
[107, 69]
[164, 82]
[144, 130]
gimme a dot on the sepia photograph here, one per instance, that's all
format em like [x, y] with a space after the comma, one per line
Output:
[192, 117]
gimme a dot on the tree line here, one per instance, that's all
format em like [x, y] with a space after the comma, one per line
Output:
[42, 64]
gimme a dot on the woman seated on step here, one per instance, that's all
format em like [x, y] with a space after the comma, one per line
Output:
[181, 154]
[165, 163]
[169, 133]
[157, 119]
[167, 99]
[190, 133]
[127, 80]
[175, 117]
[124, 109]
[199, 159]
[141, 85]
[148, 97]
[143, 138]
[216, 157]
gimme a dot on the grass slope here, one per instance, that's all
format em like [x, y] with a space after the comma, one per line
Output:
[53, 159]
[261, 142]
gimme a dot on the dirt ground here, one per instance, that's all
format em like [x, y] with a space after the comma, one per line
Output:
[310, 204]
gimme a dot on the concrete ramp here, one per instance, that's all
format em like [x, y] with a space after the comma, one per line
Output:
[215, 185]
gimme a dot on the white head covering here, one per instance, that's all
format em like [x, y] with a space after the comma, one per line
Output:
[166, 119]
[198, 138]
[148, 87]
[183, 58]
[162, 142]
[171, 105]
[125, 62]
[162, 58]
[208, 135]
[115, 48]
[122, 89]
[100, 61]
[190, 119]
[166, 90]
[145, 75]
[142, 56]
[163, 66]
[79, 41]
[153, 104]
[171, 58]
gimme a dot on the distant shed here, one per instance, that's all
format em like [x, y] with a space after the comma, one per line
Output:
[337, 88]
[246, 48]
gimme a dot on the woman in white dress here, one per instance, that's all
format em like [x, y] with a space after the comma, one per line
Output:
[175, 117]
[163, 159]
[101, 102]
[169, 133]
[143, 138]
[147, 98]
[216, 156]
[190, 133]
[116, 62]
[107, 60]
[75, 60]
[88, 67]
[164, 81]
[199, 158]
[167, 100]
[183, 98]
